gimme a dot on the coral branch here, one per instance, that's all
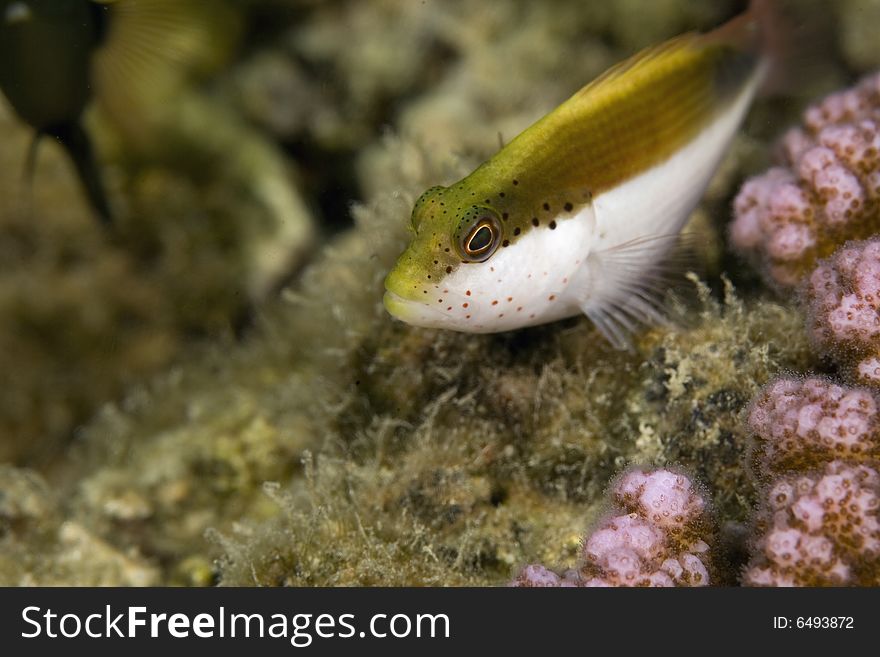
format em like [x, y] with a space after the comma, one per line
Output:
[655, 536]
[818, 523]
[826, 193]
[843, 297]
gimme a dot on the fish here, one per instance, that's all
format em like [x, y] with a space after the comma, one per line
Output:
[579, 213]
[45, 68]
[58, 56]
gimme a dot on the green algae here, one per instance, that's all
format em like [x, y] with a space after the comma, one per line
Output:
[495, 470]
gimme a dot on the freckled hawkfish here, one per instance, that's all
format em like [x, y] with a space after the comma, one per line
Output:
[575, 214]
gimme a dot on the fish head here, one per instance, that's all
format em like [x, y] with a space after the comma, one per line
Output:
[480, 266]
[453, 243]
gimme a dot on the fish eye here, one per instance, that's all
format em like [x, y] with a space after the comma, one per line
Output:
[482, 239]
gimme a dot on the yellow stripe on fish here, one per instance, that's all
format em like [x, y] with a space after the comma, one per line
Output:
[575, 214]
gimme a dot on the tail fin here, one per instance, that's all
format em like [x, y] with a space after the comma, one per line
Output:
[756, 32]
[792, 37]
[29, 173]
[777, 43]
[76, 142]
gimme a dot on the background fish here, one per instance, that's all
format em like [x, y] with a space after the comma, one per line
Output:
[46, 50]
[578, 212]
[55, 55]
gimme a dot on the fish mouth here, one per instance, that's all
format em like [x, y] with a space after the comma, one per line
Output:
[398, 303]
[397, 306]
[404, 302]
[413, 312]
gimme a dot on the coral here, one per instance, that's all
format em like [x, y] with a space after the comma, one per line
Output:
[816, 443]
[820, 530]
[818, 447]
[538, 576]
[827, 192]
[801, 424]
[655, 536]
[843, 299]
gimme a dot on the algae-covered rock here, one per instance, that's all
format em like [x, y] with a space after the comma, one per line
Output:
[510, 445]
[38, 547]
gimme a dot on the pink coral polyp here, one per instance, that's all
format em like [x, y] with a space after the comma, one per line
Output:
[803, 424]
[843, 296]
[825, 533]
[818, 523]
[826, 193]
[654, 537]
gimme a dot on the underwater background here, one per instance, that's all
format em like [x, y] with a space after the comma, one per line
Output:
[209, 391]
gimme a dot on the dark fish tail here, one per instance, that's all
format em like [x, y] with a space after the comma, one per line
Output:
[76, 142]
[30, 171]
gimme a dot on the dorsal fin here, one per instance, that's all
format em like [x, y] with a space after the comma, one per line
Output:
[640, 60]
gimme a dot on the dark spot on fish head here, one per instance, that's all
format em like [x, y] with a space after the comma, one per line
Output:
[423, 210]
